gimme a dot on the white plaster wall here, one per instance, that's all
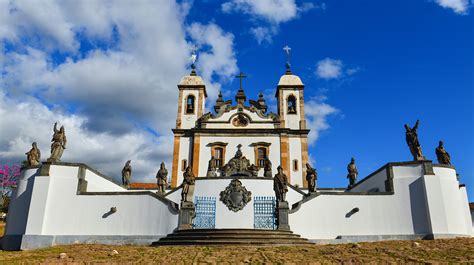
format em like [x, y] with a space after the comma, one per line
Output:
[56, 209]
[324, 217]
[420, 205]
[20, 203]
[375, 182]
[296, 177]
[189, 120]
[247, 150]
[98, 183]
[184, 153]
[292, 121]
[70, 214]
[226, 218]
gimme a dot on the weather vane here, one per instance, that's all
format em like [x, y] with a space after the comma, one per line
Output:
[287, 51]
[193, 56]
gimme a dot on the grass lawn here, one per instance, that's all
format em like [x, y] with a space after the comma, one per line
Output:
[460, 250]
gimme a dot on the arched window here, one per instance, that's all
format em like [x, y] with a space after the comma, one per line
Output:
[261, 156]
[291, 104]
[190, 104]
[219, 156]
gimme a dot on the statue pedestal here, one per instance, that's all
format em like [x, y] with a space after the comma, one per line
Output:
[186, 215]
[282, 216]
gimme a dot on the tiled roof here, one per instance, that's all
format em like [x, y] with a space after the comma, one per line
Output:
[143, 186]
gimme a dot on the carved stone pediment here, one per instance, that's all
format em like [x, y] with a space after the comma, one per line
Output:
[235, 196]
[239, 165]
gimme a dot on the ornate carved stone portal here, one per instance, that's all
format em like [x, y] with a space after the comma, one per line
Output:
[235, 196]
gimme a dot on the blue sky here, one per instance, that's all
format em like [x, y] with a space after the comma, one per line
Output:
[108, 71]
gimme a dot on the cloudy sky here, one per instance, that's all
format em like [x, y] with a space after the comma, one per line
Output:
[107, 71]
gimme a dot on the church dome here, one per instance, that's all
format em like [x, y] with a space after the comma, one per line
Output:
[191, 80]
[290, 80]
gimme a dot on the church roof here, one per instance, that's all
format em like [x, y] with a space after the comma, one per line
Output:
[191, 80]
[290, 80]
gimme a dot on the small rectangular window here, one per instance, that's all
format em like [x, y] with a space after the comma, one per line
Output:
[262, 157]
[184, 164]
[295, 165]
[219, 156]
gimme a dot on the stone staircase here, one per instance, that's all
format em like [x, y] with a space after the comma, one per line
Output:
[232, 237]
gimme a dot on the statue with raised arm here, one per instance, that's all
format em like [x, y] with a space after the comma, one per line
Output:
[411, 136]
[352, 173]
[33, 156]
[162, 179]
[311, 177]
[211, 168]
[280, 185]
[58, 143]
[188, 184]
[267, 169]
[127, 174]
[442, 155]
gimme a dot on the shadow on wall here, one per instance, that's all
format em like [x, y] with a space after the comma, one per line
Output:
[419, 211]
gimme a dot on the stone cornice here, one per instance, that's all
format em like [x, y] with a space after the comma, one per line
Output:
[266, 131]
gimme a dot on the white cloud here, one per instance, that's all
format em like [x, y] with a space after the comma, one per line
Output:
[217, 57]
[26, 121]
[271, 12]
[329, 68]
[317, 113]
[458, 6]
[124, 86]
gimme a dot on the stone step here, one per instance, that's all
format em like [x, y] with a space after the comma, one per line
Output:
[232, 236]
[203, 235]
[264, 242]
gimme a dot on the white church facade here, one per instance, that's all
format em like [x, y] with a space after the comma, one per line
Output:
[233, 154]
[282, 138]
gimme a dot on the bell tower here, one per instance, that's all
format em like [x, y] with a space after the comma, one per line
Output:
[290, 98]
[191, 100]
[294, 143]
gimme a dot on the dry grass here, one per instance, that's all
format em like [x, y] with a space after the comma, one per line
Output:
[459, 250]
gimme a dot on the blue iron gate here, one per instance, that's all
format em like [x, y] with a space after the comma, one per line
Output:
[264, 212]
[205, 212]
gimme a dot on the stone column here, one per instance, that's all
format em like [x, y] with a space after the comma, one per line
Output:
[282, 216]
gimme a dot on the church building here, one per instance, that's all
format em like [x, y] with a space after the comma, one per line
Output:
[281, 138]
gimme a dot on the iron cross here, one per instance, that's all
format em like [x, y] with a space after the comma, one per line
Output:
[241, 76]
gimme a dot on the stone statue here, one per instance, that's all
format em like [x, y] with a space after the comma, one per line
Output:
[412, 141]
[253, 170]
[58, 144]
[127, 173]
[188, 182]
[33, 156]
[211, 168]
[352, 173]
[280, 185]
[238, 165]
[267, 169]
[442, 154]
[311, 177]
[162, 179]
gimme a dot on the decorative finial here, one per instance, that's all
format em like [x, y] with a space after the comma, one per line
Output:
[193, 59]
[287, 51]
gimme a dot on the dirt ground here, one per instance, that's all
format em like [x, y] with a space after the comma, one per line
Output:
[459, 250]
